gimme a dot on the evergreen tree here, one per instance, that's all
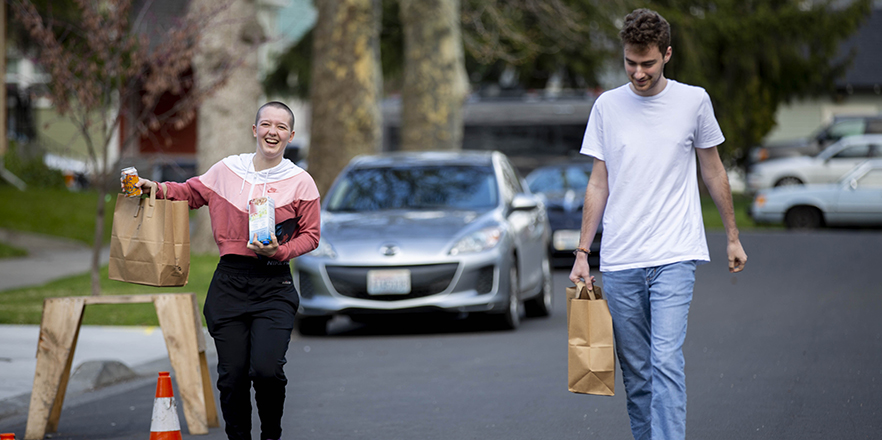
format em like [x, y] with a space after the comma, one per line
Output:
[753, 55]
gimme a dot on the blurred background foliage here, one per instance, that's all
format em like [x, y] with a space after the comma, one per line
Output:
[63, 15]
[30, 168]
[753, 55]
[535, 38]
[750, 55]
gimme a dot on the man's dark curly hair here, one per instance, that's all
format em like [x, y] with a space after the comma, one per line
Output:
[644, 27]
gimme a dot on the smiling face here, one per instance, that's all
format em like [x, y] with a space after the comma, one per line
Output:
[273, 132]
[645, 66]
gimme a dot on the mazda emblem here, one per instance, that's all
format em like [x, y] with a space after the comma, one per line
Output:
[389, 250]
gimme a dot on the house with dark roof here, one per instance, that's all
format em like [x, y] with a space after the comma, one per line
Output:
[170, 155]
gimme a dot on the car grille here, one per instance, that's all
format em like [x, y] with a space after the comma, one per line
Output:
[425, 280]
[484, 283]
[307, 290]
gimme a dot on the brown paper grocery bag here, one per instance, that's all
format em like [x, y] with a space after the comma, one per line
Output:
[150, 241]
[591, 355]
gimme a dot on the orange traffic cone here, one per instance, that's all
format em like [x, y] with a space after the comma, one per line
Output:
[165, 424]
[7, 436]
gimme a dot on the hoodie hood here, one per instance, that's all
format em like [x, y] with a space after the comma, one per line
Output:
[258, 181]
[243, 166]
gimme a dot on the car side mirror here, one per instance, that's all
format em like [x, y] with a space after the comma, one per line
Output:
[523, 202]
[853, 184]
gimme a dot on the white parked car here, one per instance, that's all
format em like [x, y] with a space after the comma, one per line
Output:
[826, 167]
[855, 200]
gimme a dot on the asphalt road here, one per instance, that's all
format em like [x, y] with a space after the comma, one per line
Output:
[789, 349]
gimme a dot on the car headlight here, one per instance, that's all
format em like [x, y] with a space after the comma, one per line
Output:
[324, 250]
[478, 241]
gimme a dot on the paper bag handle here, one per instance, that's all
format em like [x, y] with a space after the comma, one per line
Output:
[151, 203]
[580, 287]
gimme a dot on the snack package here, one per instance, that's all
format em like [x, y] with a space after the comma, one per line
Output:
[261, 219]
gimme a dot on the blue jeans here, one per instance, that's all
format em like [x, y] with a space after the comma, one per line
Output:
[650, 307]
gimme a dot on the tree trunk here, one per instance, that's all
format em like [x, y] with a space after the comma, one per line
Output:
[98, 242]
[102, 169]
[435, 81]
[346, 85]
[225, 118]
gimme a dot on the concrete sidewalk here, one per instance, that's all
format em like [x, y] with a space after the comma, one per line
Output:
[104, 355]
[49, 258]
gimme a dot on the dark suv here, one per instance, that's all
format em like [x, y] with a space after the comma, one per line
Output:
[838, 128]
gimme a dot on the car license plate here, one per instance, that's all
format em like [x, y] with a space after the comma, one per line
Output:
[388, 282]
[565, 239]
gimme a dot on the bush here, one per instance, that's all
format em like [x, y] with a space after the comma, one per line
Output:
[31, 169]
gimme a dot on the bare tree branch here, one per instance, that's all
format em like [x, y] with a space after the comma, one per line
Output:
[106, 62]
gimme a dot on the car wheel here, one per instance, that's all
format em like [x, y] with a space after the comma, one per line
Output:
[313, 325]
[803, 217]
[788, 181]
[510, 319]
[544, 303]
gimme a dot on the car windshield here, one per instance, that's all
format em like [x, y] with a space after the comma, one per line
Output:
[841, 129]
[856, 149]
[551, 180]
[416, 188]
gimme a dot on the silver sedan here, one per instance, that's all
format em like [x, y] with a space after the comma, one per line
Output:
[827, 167]
[427, 232]
[855, 200]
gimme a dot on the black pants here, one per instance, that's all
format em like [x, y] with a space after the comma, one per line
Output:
[250, 311]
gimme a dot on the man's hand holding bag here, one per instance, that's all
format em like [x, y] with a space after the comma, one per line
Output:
[591, 354]
[150, 241]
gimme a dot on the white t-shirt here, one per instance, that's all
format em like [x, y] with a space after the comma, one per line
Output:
[653, 214]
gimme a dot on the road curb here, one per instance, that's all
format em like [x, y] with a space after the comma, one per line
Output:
[92, 380]
[89, 377]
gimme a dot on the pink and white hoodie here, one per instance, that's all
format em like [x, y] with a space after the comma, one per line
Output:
[228, 186]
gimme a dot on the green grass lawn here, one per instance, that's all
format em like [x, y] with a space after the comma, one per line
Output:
[741, 202]
[54, 211]
[7, 251]
[25, 305]
[67, 214]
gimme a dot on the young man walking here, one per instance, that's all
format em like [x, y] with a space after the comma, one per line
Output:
[644, 137]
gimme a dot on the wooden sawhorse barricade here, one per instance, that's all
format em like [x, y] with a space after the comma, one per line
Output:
[181, 328]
